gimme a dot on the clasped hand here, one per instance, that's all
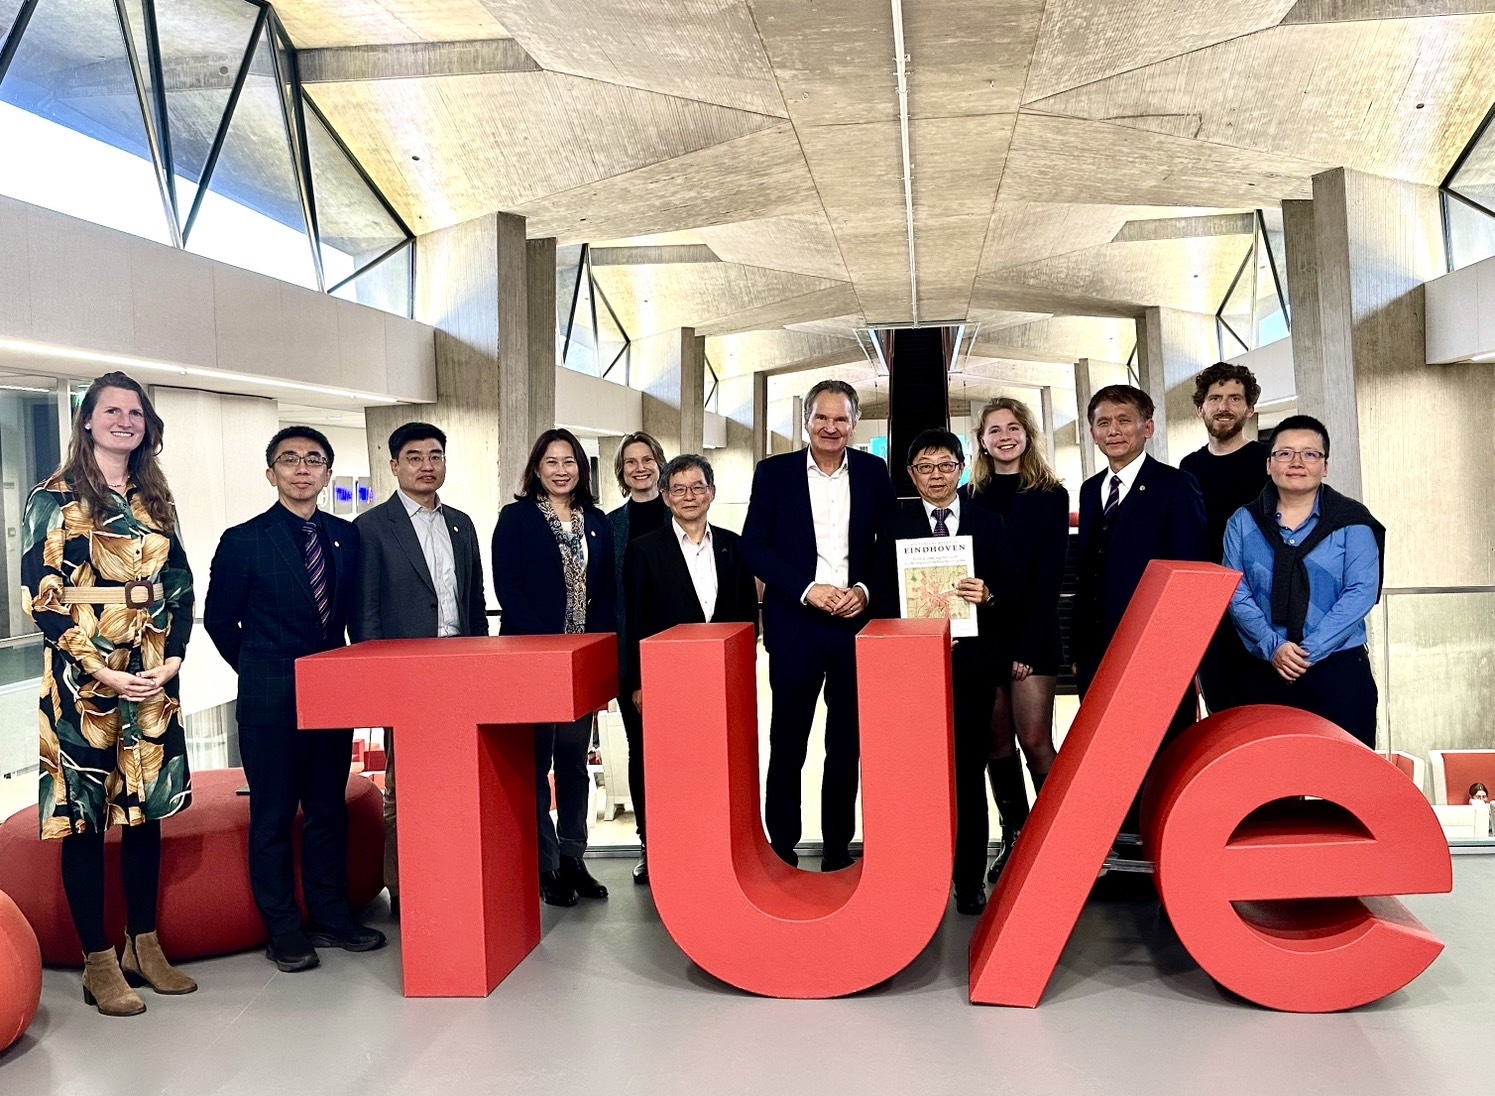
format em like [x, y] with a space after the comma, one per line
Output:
[836, 600]
[1290, 661]
[141, 686]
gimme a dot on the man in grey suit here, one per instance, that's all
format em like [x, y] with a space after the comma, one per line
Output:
[420, 576]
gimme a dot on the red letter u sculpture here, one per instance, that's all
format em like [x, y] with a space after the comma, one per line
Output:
[464, 711]
[732, 905]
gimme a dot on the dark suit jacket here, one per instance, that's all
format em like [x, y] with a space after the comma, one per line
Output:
[530, 583]
[262, 615]
[1162, 517]
[396, 593]
[993, 564]
[778, 543]
[659, 592]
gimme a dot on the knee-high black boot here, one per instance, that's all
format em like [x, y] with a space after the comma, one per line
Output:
[1006, 777]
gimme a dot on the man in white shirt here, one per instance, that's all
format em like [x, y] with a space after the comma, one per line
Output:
[420, 576]
[689, 572]
[817, 534]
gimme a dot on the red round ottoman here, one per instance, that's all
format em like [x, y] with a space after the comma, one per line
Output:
[207, 907]
[20, 973]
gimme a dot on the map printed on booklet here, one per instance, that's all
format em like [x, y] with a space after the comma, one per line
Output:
[928, 569]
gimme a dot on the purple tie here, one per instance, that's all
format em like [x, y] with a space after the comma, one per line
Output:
[1114, 499]
[940, 528]
[316, 570]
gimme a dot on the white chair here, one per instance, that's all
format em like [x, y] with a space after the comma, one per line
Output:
[1455, 770]
[1412, 766]
[613, 745]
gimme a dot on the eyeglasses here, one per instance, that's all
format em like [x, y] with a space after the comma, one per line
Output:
[1284, 456]
[311, 460]
[697, 490]
[927, 469]
[415, 460]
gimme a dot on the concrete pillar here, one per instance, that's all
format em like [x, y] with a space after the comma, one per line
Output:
[797, 422]
[1046, 402]
[1301, 266]
[670, 369]
[761, 446]
[1172, 346]
[495, 386]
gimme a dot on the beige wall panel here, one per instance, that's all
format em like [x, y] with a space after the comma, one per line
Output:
[1053, 160]
[409, 360]
[1082, 41]
[360, 342]
[801, 243]
[1397, 97]
[360, 22]
[249, 333]
[78, 283]
[500, 141]
[760, 175]
[651, 299]
[314, 331]
[696, 49]
[15, 269]
[173, 304]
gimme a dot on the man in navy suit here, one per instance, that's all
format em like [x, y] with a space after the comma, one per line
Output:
[816, 531]
[1132, 512]
[282, 587]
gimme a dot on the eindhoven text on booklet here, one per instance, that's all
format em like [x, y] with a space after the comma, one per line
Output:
[928, 569]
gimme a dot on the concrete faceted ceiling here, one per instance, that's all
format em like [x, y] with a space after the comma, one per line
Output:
[1070, 162]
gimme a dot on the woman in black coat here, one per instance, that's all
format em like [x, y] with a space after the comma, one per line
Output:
[553, 572]
[1012, 477]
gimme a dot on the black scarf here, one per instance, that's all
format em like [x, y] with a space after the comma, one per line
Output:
[1290, 592]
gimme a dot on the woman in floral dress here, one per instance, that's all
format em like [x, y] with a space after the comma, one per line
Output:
[107, 583]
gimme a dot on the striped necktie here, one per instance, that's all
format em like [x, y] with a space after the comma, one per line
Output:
[316, 570]
[1114, 499]
[940, 528]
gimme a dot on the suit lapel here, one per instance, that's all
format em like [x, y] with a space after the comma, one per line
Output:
[291, 555]
[800, 492]
[458, 526]
[678, 576]
[404, 531]
[723, 558]
[1136, 500]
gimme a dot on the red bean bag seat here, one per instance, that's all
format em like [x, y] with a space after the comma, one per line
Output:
[20, 973]
[206, 907]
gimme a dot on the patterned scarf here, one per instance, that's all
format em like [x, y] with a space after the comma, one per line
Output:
[573, 564]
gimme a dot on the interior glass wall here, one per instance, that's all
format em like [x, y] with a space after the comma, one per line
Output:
[1469, 200]
[193, 113]
[589, 336]
[1254, 311]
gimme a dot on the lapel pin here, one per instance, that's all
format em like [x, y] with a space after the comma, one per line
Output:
[1141, 487]
[337, 544]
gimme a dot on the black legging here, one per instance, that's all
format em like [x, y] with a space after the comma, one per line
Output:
[83, 880]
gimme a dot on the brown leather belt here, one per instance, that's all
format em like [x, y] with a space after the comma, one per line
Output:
[137, 594]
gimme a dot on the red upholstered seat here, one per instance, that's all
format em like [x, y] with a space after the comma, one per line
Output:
[20, 973]
[207, 907]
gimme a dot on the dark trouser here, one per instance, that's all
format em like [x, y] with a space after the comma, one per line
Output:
[975, 685]
[83, 881]
[633, 727]
[795, 679]
[1228, 670]
[391, 826]
[289, 768]
[1340, 688]
[565, 745]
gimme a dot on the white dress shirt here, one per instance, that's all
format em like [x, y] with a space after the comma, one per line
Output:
[952, 522]
[830, 508]
[436, 546]
[700, 561]
[1128, 477]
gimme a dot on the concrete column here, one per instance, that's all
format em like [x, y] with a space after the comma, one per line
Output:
[1172, 346]
[495, 385]
[797, 423]
[1301, 266]
[1046, 401]
[761, 446]
[1084, 389]
[670, 369]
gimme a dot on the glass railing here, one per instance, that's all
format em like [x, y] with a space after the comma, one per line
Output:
[1434, 653]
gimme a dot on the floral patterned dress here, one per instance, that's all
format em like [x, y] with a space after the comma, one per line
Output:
[105, 760]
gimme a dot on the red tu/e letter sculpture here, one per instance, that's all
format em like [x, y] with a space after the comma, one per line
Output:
[464, 711]
[730, 903]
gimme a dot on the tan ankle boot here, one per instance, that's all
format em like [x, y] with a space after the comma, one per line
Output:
[104, 986]
[145, 964]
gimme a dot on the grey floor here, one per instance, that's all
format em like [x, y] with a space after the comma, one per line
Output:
[607, 1004]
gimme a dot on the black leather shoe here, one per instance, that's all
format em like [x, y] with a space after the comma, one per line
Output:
[574, 873]
[350, 936]
[789, 856]
[641, 869]
[1004, 853]
[835, 859]
[972, 903]
[555, 891]
[292, 952]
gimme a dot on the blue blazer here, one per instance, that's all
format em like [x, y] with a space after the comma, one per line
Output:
[529, 581]
[778, 543]
[262, 615]
[1162, 517]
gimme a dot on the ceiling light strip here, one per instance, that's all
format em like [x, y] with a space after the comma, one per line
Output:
[901, 60]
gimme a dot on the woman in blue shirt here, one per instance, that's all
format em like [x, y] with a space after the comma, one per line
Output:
[1312, 561]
